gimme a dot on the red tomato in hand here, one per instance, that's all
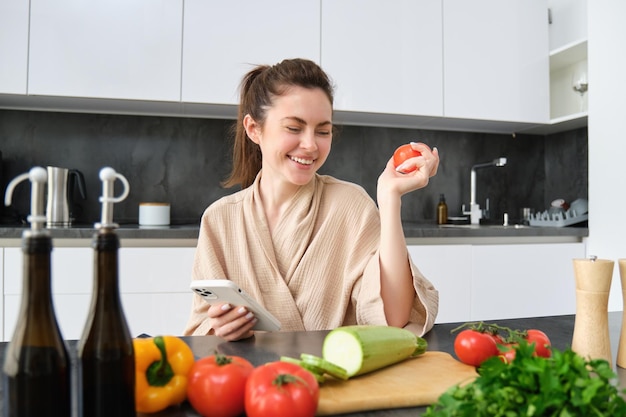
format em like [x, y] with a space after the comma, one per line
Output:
[281, 389]
[217, 385]
[473, 347]
[403, 153]
[541, 341]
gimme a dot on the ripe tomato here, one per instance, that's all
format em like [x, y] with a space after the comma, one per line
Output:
[507, 353]
[541, 341]
[473, 347]
[217, 385]
[281, 389]
[403, 153]
[496, 338]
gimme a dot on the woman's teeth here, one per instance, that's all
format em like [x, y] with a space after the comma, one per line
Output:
[301, 161]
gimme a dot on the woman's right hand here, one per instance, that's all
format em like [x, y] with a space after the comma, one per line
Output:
[231, 322]
[394, 184]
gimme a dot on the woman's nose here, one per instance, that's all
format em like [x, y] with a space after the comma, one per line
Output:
[307, 141]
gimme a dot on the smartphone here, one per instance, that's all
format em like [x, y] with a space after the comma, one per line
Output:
[217, 291]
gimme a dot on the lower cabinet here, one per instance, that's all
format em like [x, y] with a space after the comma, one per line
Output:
[155, 289]
[475, 282]
[154, 285]
[487, 282]
[448, 267]
[2, 279]
[512, 281]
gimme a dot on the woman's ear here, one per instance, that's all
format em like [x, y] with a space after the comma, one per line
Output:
[252, 128]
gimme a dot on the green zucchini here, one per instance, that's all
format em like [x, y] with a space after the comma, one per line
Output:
[324, 366]
[317, 372]
[361, 349]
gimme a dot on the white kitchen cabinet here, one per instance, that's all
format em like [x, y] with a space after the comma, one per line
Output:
[154, 286]
[224, 40]
[2, 279]
[448, 267]
[510, 281]
[568, 51]
[106, 49]
[71, 270]
[496, 60]
[567, 105]
[13, 46]
[487, 282]
[568, 22]
[155, 289]
[432, 64]
[384, 56]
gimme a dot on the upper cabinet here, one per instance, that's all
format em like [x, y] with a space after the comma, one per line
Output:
[496, 60]
[568, 62]
[224, 40]
[384, 56]
[568, 23]
[13, 46]
[441, 64]
[430, 64]
[106, 49]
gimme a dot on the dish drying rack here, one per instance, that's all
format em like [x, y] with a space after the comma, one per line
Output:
[546, 219]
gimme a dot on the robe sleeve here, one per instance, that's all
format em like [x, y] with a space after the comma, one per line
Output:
[205, 266]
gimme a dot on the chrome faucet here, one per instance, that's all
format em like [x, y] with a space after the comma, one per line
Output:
[475, 212]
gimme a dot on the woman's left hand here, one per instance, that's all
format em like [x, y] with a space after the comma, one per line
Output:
[397, 182]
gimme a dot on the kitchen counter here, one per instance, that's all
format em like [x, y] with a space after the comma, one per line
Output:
[270, 346]
[415, 232]
[131, 235]
[428, 233]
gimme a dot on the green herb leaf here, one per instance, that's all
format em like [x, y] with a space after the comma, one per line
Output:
[564, 385]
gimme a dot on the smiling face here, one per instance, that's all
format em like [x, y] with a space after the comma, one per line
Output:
[296, 137]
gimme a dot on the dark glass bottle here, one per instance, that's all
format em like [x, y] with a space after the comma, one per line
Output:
[37, 366]
[442, 210]
[105, 352]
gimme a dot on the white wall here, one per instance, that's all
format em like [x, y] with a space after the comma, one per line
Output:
[607, 135]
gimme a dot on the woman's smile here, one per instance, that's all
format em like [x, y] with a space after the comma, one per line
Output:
[301, 160]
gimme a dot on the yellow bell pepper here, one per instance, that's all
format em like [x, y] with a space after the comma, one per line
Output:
[162, 364]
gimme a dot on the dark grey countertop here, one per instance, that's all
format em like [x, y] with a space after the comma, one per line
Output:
[267, 347]
[427, 230]
[412, 230]
[128, 231]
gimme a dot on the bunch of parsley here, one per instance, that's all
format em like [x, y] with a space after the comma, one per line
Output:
[564, 385]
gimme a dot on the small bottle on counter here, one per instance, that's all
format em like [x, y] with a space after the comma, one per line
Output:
[106, 358]
[442, 210]
[37, 368]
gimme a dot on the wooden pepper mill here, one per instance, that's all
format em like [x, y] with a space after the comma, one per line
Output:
[591, 326]
[621, 348]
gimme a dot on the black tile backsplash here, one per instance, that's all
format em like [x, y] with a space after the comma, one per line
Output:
[183, 160]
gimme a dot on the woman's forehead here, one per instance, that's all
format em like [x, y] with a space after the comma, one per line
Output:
[303, 103]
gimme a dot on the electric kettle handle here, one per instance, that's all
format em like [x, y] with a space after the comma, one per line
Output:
[79, 181]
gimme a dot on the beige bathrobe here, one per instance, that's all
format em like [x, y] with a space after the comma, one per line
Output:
[317, 271]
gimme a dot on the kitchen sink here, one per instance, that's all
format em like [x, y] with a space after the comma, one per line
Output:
[483, 226]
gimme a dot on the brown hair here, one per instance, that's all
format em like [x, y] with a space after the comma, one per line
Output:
[258, 89]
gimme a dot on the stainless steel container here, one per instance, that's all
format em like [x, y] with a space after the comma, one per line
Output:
[57, 204]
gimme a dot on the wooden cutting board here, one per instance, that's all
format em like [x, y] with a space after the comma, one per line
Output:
[414, 382]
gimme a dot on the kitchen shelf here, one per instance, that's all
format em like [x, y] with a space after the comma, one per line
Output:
[568, 54]
[565, 113]
[560, 124]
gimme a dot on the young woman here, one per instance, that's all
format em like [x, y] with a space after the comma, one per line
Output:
[316, 251]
